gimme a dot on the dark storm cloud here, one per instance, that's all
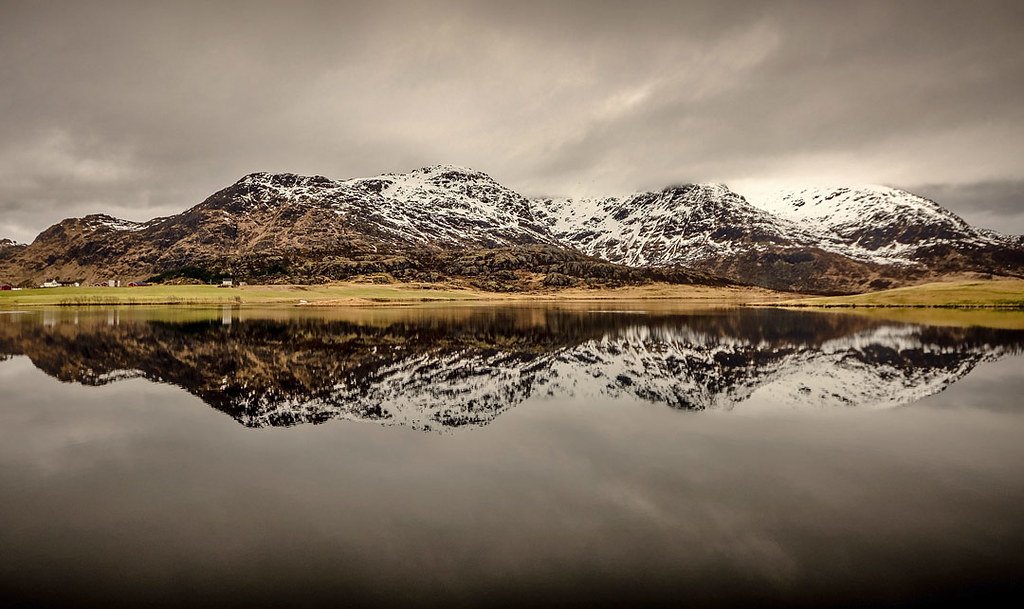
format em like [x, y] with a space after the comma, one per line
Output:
[142, 109]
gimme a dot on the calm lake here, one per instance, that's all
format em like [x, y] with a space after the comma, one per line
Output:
[498, 456]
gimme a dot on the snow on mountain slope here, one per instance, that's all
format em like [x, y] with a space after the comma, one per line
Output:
[876, 223]
[805, 239]
[455, 204]
[312, 228]
[438, 205]
[678, 225]
[105, 222]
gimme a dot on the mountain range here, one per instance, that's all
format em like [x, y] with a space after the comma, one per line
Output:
[444, 223]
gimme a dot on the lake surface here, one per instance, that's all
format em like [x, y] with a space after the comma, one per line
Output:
[494, 456]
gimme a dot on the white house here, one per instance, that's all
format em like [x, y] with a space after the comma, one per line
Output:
[50, 284]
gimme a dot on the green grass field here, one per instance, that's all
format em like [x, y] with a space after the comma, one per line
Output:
[998, 293]
[205, 294]
[994, 294]
[355, 294]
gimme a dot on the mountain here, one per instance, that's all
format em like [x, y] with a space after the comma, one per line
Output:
[445, 222]
[889, 226]
[9, 252]
[431, 224]
[9, 246]
[465, 368]
[706, 227]
[434, 207]
[681, 224]
[816, 240]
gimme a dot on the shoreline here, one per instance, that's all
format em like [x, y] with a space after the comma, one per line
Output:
[1002, 294]
[995, 295]
[370, 295]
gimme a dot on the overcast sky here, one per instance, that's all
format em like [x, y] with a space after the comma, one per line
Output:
[140, 109]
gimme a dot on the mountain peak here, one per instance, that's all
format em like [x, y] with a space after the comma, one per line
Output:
[711, 189]
[280, 180]
[840, 206]
[430, 171]
[447, 168]
[101, 221]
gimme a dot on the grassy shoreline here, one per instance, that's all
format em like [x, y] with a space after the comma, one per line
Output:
[361, 294]
[999, 294]
[1003, 294]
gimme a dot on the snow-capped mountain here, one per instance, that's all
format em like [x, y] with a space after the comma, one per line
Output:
[836, 239]
[268, 219]
[452, 205]
[876, 223]
[679, 225]
[431, 372]
[444, 221]
[431, 224]
[442, 205]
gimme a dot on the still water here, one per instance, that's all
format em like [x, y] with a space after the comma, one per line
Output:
[485, 456]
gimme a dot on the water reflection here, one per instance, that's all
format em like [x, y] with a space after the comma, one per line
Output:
[589, 491]
[438, 368]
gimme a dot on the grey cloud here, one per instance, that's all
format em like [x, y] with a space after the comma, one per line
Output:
[998, 205]
[142, 109]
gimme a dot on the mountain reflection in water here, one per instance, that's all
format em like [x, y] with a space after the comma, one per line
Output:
[432, 368]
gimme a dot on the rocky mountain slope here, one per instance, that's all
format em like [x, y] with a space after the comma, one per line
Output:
[6, 243]
[444, 222]
[431, 224]
[9, 246]
[10, 251]
[431, 372]
[887, 225]
[817, 240]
